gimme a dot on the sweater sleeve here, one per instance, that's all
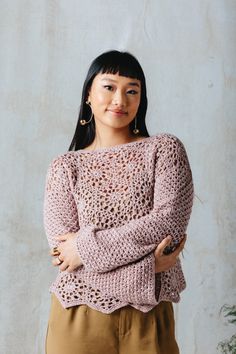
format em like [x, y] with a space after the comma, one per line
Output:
[135, 282]
[172, 205]
[59, 211]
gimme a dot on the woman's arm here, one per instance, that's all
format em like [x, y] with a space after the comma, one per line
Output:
[68, 253]
[104, 250]
[60, 210]
[142, 286]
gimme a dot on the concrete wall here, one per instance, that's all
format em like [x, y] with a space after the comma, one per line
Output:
[187, 50]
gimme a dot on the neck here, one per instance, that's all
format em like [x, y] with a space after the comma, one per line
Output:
[111, 138]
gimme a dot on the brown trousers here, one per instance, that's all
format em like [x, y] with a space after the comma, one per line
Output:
[83, 330]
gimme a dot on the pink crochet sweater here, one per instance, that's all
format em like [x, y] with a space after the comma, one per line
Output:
[122, 201]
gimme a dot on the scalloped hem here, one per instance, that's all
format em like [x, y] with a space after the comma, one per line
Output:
[120, 304]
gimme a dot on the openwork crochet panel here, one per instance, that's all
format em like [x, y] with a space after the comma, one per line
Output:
[122, 201]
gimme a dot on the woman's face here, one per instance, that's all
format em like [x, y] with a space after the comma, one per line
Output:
[114, 99]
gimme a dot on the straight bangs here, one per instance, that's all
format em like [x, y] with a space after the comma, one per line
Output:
[122, 68]
[115, 62]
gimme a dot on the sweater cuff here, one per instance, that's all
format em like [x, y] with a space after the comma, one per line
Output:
[85, 247]
[150, 282]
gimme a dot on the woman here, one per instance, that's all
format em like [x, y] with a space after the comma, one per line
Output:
[116, 210]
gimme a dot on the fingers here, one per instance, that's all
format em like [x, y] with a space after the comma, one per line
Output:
[164, 262]
[160, 248]
[54, 252]
[57, 261]
[70, 269]
[180, 248]
[61, 264]
[65, 237]
[61, 237]
[182, 243]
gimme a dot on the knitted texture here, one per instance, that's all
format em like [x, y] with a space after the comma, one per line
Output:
[122, 201]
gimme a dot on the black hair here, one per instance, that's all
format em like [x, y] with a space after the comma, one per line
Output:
[113, 62]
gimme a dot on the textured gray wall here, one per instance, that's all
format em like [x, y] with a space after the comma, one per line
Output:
[187, 50]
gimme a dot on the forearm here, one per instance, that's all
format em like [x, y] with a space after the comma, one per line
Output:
[104, 250]
[134, 283]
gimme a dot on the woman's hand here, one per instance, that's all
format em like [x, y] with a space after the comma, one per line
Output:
[68, 254]
[165, 262]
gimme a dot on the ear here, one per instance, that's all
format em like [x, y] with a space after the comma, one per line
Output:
[88, 100]
[88, 95]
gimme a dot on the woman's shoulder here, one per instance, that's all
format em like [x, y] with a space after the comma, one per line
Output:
[168, 141]
[64, 160]
[171, 151]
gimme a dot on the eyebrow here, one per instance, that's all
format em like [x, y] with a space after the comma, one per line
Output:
[129, 83]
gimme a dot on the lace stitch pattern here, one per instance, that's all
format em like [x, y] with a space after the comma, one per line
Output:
[122, 201]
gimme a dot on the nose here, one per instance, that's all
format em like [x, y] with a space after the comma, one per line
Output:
[119, 98]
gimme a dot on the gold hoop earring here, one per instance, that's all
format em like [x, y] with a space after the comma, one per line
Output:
[83, 121]
[136, 130]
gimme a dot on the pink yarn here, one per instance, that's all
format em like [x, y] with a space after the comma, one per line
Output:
[122, 201]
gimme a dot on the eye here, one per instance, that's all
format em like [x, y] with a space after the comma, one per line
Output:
[133, 92]
[108, 87]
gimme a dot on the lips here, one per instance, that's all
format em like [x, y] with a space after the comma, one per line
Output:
[117, 111]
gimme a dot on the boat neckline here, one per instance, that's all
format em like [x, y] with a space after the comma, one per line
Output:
[115, 147]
